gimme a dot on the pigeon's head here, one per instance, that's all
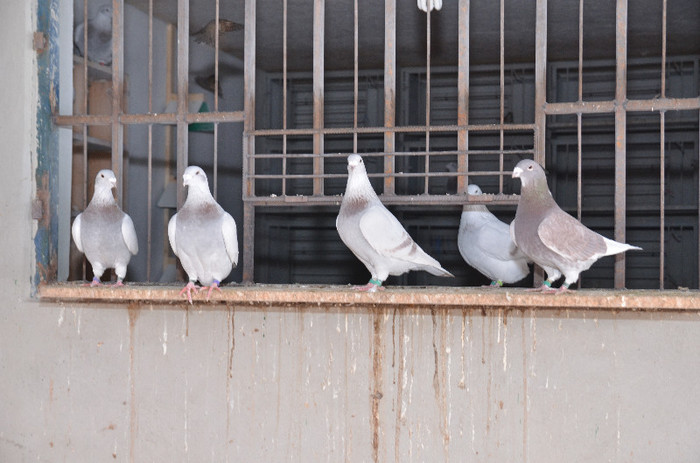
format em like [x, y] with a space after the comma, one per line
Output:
[105, 10]
[195, 176]
[529, 172]
[105, 180]
[354, 160]
[474, 189]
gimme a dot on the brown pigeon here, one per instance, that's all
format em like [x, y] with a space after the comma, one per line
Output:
[550, 237]
[207, 34]
[374, 235]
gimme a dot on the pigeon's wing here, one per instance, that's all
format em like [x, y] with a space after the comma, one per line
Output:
[512, 232]
[129, 235]
[494, 240]
[569, 238]
[171, 234]
[387, 236]
[75, 231]
[228, 231]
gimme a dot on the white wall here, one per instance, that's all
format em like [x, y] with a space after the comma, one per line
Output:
[95, 382]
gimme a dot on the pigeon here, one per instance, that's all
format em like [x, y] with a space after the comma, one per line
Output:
[203, 236]
[429, 5]
[550, 237]
[104, 233]
[485, 243]
[207, 34]
[99, 47]
[207, 83]
[374, 235]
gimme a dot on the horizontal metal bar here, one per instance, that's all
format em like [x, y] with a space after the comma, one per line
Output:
[593, 107]
[398, 200]
[395, 153]
[155, 118]
[387, 175]
[403, 129]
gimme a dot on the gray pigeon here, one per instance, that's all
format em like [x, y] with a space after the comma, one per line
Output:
[485, 243]
[207, 34]
[550, 237]
[374, 235]
[203, 236]
[99, 48]
[104, 233]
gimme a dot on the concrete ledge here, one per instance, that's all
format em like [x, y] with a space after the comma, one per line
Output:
[434, 296]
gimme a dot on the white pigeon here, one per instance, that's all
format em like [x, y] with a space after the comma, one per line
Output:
[104, 233]
[484, 242]
[374, 235]
[203, 236]
[429, 5]
[99, 49]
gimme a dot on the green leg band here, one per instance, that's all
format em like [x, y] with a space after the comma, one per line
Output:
[374, 282]
[547, 283]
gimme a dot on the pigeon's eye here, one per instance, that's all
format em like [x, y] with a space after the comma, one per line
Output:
[102, 175]
[529, 167]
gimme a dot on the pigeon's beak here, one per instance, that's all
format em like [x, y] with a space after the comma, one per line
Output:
[113, 182]
[516, 172]
[186, 180]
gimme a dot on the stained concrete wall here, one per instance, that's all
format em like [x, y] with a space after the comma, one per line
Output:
[86, 383]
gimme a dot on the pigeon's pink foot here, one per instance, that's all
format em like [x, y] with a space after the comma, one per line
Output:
[371, 287]
[214, 286]
[188, 289]
[544, 289]
[563, 289]
[118, 284]
[95, 282]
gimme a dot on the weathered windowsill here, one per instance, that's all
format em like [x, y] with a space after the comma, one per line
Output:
[325, 296]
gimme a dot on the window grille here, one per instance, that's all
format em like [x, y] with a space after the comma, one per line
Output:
[618, 134]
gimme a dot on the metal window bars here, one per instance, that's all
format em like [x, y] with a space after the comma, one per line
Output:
[254, 152]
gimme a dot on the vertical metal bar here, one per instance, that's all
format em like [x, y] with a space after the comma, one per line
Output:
[183, 47]
[663, 50]
[502, 91]
[284, 97]
[427, 101]
[580, 51]
[389, 94]
[216, 98]
[117, 94]
[318, 88]
[149, 201]
[662, 152]
[540, 97]
[84, 126]
[620, 137]
[463, 96]
[540, 79]
[662, 200]
[355, 88]
[249, 142]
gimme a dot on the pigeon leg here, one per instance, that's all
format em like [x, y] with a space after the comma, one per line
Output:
[371, 287]
[95, 282]
[546, 288]
[214, 286]
[188, 289]
[494, 284]
[118, 283]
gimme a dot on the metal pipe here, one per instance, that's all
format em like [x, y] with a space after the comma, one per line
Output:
[149, 200]
[662, 200]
